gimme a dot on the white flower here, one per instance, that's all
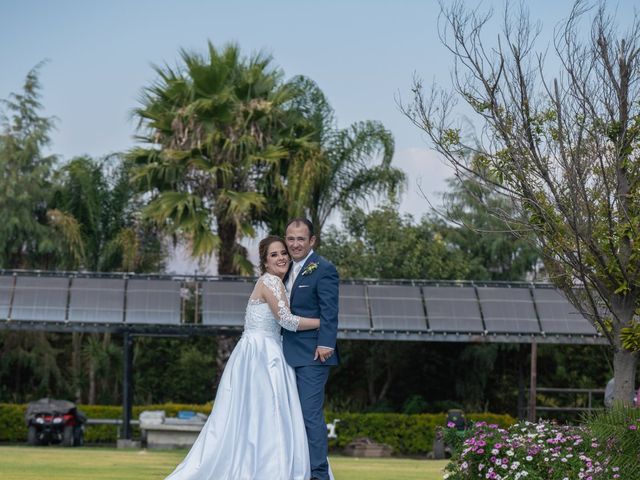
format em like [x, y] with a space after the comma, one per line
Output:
[510, 453]
[528, 458]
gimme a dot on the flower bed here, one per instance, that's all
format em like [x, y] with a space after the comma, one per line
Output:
[547, 451]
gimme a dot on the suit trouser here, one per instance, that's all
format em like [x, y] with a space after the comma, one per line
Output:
[311, 380]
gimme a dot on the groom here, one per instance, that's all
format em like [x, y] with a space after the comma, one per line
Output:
[312, 283]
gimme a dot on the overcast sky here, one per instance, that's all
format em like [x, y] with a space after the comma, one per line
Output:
[363, 54]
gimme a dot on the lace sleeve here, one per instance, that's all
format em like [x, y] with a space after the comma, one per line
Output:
[277, 300]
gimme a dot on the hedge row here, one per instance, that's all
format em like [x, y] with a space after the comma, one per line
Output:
[406, 434]
[13, 427]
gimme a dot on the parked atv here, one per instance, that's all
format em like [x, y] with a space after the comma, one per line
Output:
[54, 421]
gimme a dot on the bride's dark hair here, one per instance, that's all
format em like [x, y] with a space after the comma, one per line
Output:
[263, 250]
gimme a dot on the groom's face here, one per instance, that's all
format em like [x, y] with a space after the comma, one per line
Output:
[299, 241]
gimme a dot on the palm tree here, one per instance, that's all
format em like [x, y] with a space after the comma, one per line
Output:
[339, 168]
[211, 126]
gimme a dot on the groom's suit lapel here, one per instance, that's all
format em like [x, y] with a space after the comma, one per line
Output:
[294, 287]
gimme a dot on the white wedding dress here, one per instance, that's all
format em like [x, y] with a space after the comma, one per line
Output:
[255, 430]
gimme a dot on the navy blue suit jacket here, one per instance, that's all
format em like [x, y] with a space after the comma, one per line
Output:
[314, 295]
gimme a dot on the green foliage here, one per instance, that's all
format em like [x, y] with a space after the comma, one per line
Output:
[619, 429]
[496, 250]
[385, 244]
[26, 237]
[213, 128]
[339, 169]
[407, 434]
[630, 337]
[98, 195]
[13, 427]
[174, 370]
[559, 148]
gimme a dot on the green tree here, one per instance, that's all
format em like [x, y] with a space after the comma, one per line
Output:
[495, 250]
[339, 168]
[386, 244]
[212, 126]
[32, 235]
[98, 195]
[562, 150]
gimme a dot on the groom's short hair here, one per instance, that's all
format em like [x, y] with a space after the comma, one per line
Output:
[304, 220]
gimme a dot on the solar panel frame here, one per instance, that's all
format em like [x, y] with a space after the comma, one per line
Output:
[406, 300]
[453, 309]
[508, 310]
[353, 308]
[40, 299]
[558, 316]
[224, 303]
[6, 290]
[97, 300]
[153, 301]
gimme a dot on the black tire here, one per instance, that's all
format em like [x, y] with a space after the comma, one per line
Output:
[78, 437]
[32, 436]
[67, 436]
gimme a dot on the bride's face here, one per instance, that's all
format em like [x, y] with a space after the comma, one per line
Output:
[277, 259]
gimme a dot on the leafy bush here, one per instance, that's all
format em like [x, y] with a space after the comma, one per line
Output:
[406, 434]
[13, 427]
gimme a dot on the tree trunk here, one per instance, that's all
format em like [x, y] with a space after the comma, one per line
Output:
[92, 383]
[624, 361]
[624, 373]
[225, 346]
[227, 232]
[76, 365]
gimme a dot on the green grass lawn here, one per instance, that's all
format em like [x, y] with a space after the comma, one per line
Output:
[57, 463]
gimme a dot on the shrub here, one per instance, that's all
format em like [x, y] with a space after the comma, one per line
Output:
[13, 427]
[406, 434]
[540, 451]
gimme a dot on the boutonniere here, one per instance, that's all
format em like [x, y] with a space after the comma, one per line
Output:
[310, 268]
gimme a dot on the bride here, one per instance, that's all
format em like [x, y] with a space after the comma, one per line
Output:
[256, 430]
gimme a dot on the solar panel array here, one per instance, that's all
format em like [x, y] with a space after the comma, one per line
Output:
[558, 316]
[97, 300]
[353, 310]
[225, 303]
[453, 309]
[153, 301]
[396, 307]
[40, 299]
[6, 289]
[508, 310]
[446, 309]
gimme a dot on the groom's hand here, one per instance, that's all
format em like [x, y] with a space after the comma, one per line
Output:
[323, 354]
